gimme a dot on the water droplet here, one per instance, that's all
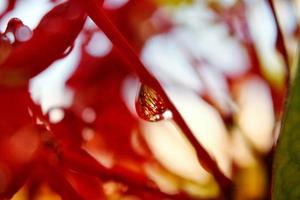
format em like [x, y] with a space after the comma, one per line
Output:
[23, 33]
[150, 105]
[9, 37]
[13, 24]
[16, 31]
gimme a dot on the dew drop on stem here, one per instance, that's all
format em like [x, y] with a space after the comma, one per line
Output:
[16, 31]
[150, 106]
[23, 33]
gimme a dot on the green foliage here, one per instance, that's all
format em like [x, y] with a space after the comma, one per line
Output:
[286, 174]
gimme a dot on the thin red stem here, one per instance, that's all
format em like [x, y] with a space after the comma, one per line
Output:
[97, 14]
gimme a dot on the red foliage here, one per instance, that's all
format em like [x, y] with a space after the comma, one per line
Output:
[35, 151]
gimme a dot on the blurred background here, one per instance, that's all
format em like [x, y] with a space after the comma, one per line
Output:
[218, 62]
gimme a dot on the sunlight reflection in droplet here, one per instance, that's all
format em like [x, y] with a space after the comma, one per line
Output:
[150, 105]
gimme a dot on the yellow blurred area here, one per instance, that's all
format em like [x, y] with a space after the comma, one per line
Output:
[44, 193]
[251, 182]
[171, 183]
[174, 2]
